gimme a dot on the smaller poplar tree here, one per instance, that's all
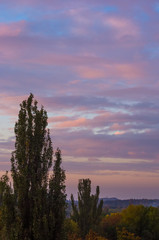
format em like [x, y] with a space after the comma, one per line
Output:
[7, 209]
[88, 211]
[57, 198]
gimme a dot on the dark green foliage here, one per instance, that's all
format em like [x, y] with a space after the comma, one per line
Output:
[7, 199]
[153, 223]
[57, 197]
[35, 208]
[31, 162]
[88, 212]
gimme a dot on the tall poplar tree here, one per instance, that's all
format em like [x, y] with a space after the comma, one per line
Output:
[87, 213]
[30, 164]
[34, 208]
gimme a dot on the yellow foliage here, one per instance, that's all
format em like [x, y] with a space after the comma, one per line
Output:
[125, 235]
[71, 229]
[111, 220]
[71, 226]
[94, 236]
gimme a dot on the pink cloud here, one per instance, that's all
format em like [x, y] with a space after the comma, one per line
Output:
[6, 30]
[12, 29]
[131, 71]
[122, 26]
[116, 126]
[137, 93]
[69, 124]
[58, 119]
[9, 105]
[65, 59]
[91, 73]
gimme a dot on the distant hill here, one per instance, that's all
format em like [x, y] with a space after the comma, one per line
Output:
[118, 203]
[115, 203]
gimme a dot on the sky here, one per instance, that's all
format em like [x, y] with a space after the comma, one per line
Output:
[93, 65]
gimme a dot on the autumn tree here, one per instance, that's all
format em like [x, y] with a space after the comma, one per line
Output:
[142, 221]
[71, 229]
[94, 236]
[109, 225]
[87, 213]
[134, 219]
[125, 235]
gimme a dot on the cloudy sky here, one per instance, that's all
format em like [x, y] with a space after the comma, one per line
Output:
[93, 64]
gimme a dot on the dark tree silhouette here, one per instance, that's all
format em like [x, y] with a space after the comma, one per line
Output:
[57, 198]
[87, 213]
[34, 208]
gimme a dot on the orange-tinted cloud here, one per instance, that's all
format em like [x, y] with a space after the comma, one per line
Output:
[74, 123]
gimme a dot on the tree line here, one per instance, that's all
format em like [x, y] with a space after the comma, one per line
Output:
[33, 206]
